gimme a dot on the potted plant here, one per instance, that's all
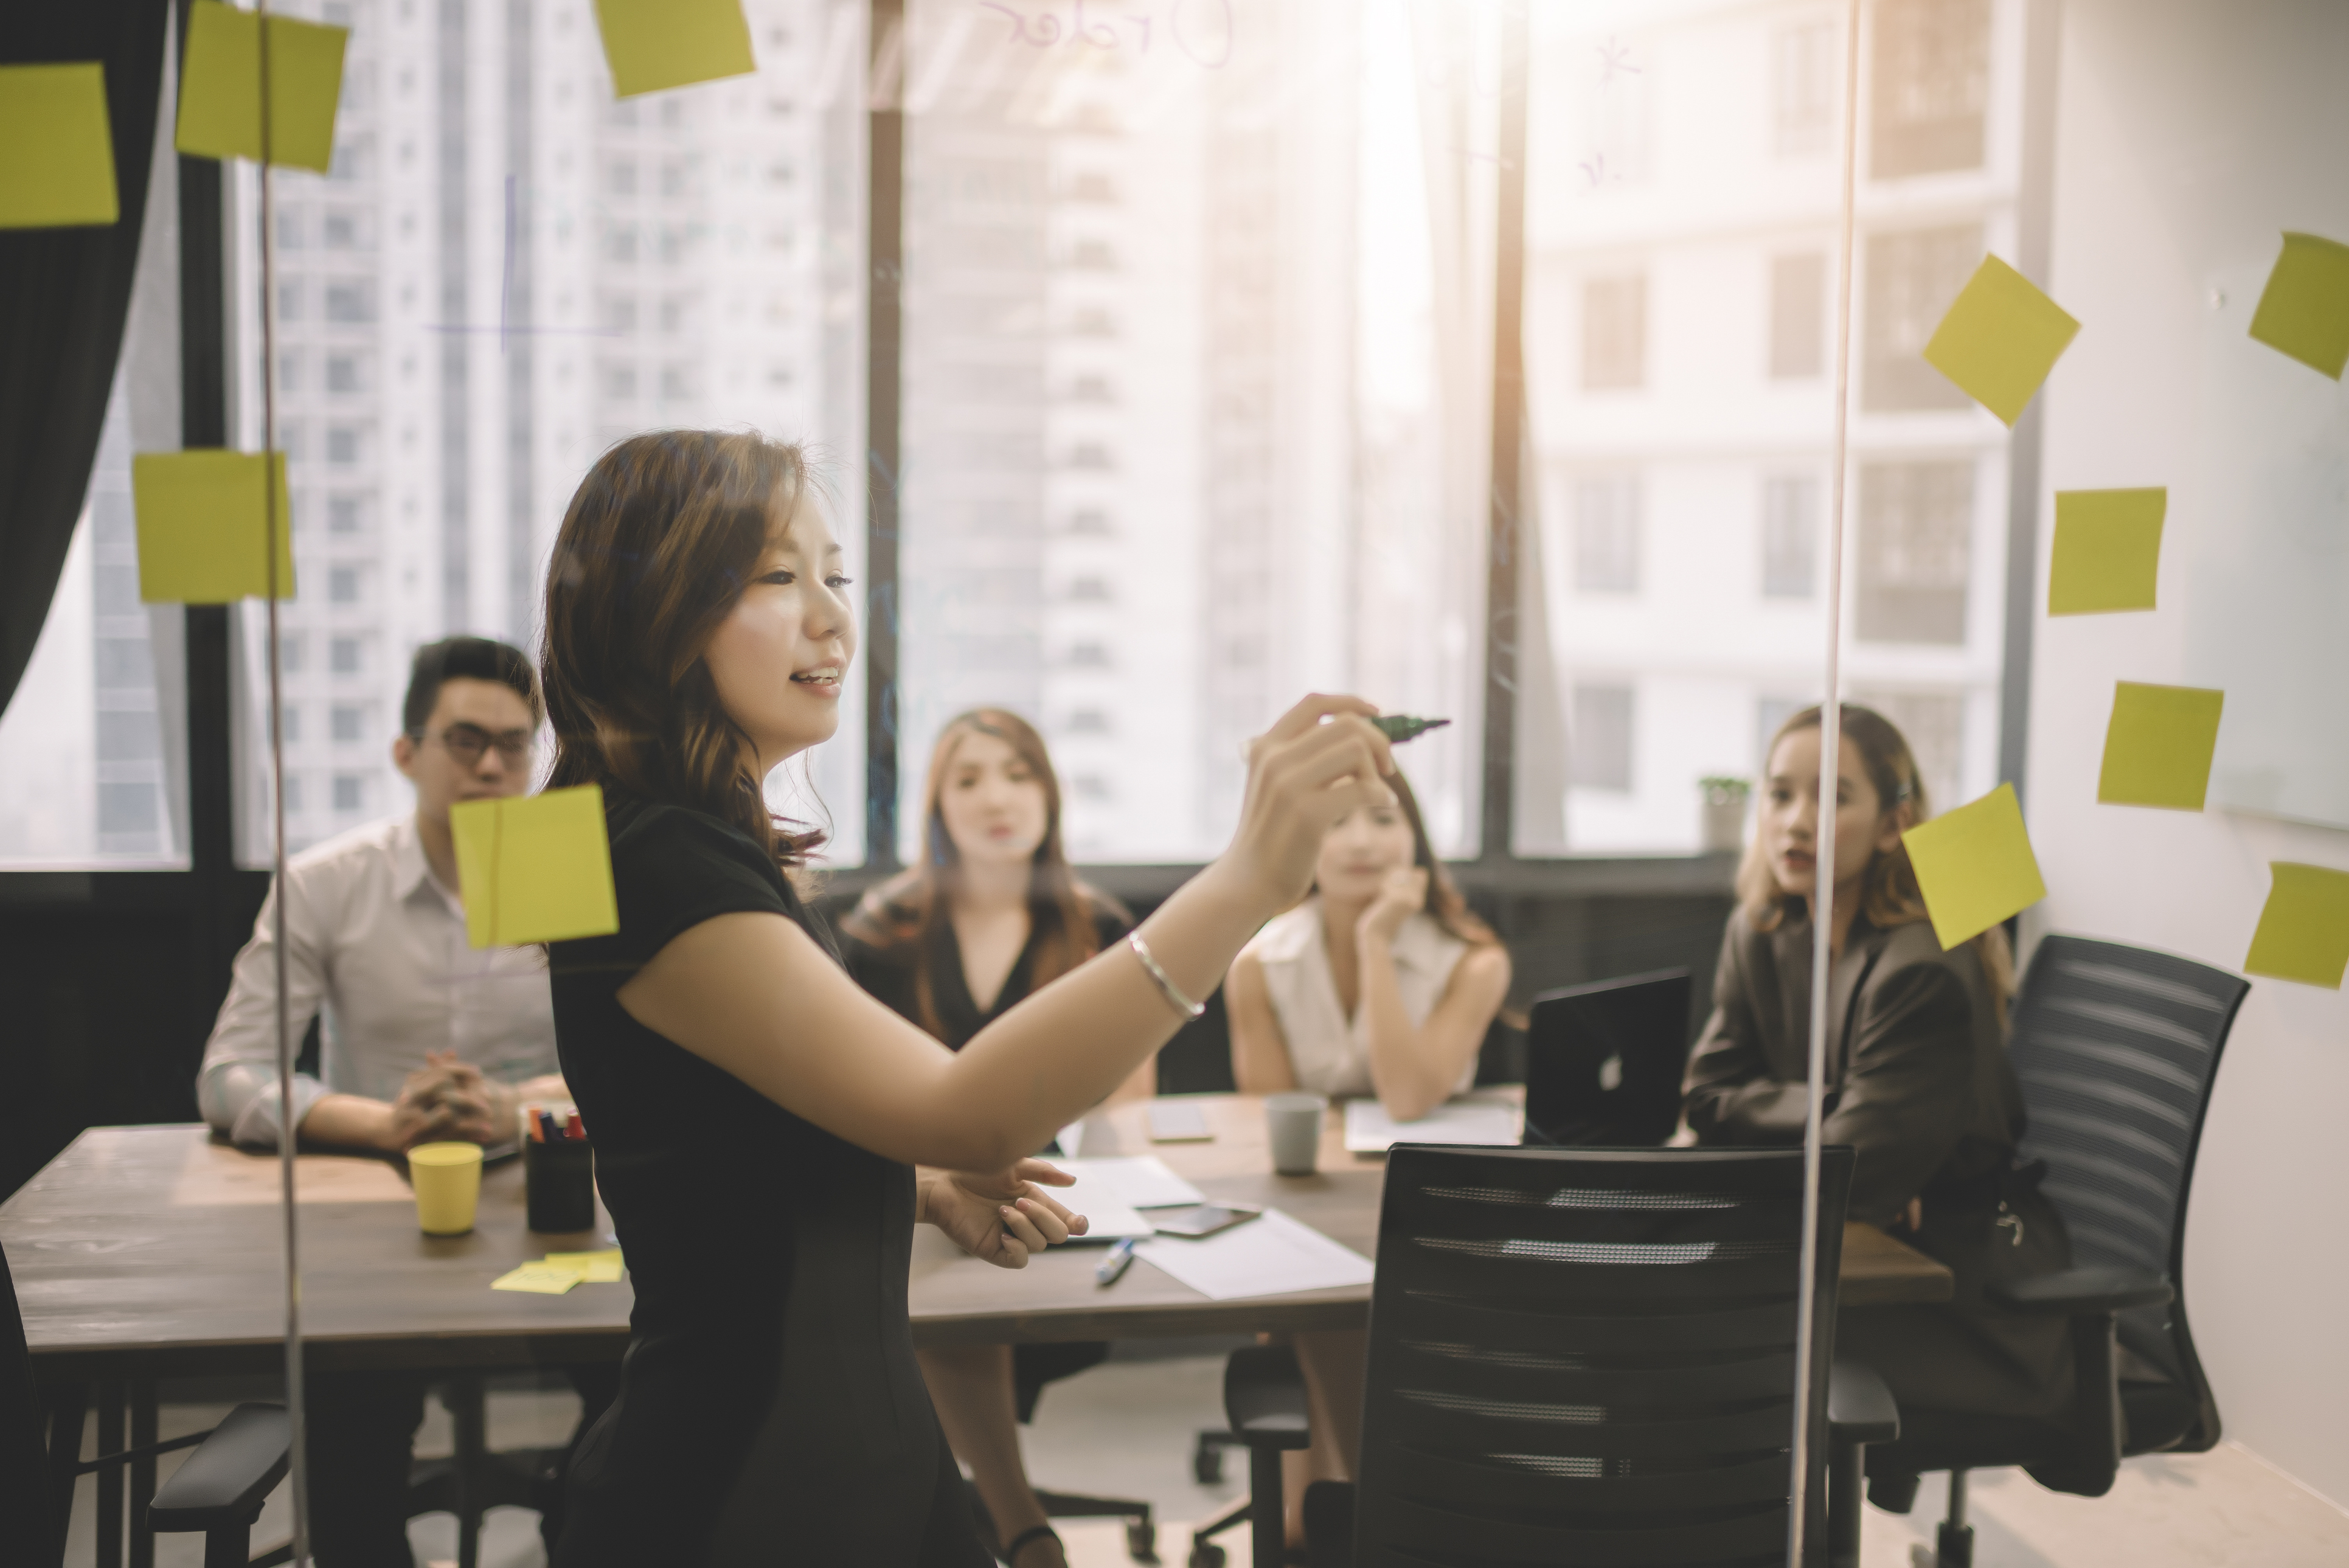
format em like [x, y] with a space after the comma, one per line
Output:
[1722, 828]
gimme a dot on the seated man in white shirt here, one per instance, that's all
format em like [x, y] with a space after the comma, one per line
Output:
[423, 1037]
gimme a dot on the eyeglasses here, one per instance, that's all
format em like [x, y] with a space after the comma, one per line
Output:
[466, 742]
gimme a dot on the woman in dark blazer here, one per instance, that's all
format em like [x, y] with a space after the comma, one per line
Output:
[1917, 1076]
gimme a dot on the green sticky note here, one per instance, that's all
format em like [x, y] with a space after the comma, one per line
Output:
[657, 44]
[595, 1268]
[2303, 932]
[2108, 550]
[1974, 866]
[2158, 747]
[56, 147]
[2000, 339]
[202, 516]
[534, 868]
[539, 1279]
[2304, 310]
[220, 88]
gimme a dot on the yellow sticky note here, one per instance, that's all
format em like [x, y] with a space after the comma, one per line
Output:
[2303, 932]
[220, 88]
[56, 147]
[535, 867]
[202, 516]
[2107, 553]
[2000, 339]
[657, 44]
[1974, 866]
[539, 1279]
[2304, 310]
[2158, 747]
[595, 1268]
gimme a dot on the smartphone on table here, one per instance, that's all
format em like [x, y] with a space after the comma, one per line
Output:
[1200, 1220]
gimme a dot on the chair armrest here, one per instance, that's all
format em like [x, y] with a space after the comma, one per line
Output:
[224, 1481]
[1264, 1398]
[1860, 1409]
[2078, 1293]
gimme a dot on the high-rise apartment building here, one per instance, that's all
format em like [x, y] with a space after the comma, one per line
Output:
[505, 271]
[1129, 396]
[1683, 225]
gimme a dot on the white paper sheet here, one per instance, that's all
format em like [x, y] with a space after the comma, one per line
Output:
[1144, 1181]
[1269, 1256]
[1109, 1217]
[1370, 1130]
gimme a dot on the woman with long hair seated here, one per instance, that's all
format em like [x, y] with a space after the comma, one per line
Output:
[1381, 982]
[766, 1132]
[990, 912]
[1917, 1076]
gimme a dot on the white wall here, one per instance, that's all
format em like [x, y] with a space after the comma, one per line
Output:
[2190, 132]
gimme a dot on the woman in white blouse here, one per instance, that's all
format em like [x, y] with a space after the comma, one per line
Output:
[1380, 983]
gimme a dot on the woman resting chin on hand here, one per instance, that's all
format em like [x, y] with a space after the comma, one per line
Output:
[1380, 983]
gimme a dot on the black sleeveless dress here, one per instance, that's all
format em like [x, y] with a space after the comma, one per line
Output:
[770, 1410]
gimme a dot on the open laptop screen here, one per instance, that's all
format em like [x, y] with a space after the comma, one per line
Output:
[1603, 1062]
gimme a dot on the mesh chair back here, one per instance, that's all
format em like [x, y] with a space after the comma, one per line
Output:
[1587, 1356]
[2116, 1049]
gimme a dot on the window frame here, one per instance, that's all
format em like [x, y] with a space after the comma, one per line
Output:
[222, 896]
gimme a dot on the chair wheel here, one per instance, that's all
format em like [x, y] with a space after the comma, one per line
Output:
[1207, 1555]
[1207, 1463]
[1141, 1540]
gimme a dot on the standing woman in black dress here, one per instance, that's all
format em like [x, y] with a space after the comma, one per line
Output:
[759, 1119]
[990, 912]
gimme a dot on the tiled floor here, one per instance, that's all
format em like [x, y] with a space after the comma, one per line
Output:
[1125, 1429]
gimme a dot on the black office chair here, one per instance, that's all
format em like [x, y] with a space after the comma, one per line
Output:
[1586, 1355]
[2116, 1049]
[217, 1489]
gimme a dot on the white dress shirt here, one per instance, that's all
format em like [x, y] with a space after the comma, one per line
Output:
[1330, 1052]
[373, 936]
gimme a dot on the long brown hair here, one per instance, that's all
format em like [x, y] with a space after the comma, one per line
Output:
[660, 540]
[1889, 893]
[911, 907]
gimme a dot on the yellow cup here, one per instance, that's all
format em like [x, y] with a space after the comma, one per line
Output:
[448, 1182]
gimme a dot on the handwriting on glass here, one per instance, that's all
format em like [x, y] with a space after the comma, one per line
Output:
[1194, 27]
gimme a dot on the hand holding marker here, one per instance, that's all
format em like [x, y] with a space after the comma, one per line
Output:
[1399, 727]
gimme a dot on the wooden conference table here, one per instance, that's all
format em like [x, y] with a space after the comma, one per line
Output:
[147, 1251]
[143, 1253]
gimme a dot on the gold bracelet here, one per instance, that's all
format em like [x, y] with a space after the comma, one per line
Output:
[1174, 994]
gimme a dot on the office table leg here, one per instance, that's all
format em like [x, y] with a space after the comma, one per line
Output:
[467, 1399]
[142, 1471]
[110, 1477]
[69, 1406]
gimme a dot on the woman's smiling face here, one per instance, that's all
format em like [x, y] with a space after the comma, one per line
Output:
[780, 656]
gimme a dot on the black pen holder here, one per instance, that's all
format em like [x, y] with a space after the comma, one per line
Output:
[559, 1180]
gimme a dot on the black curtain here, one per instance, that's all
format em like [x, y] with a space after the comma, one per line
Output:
[64, 293]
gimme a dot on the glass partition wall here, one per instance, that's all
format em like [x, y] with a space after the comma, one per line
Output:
[1198, 393]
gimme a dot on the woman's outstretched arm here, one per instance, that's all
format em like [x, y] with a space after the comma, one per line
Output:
[751, 993]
